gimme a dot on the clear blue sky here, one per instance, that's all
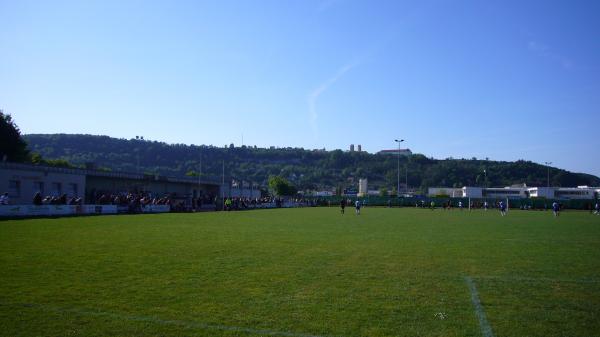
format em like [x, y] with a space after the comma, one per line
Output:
[506, 80]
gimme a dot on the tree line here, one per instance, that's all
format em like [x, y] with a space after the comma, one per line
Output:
[304, 169]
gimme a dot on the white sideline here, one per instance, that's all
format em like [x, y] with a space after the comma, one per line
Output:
[151, 319]
[538, 279]
[486, 329]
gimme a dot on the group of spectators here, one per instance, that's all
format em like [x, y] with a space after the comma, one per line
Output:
[135, 202]
[124, 199]
[139, 200]
[240, 203]
[4, 199]
[56, 200]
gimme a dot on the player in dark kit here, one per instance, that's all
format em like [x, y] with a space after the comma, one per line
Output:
[342, 206]
[502, 207]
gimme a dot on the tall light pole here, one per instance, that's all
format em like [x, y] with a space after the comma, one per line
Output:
[485, 178]
[399, 142]
[223, 188]
[548, 163]
[406, 178]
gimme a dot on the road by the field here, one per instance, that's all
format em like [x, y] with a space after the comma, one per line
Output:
[303, 272]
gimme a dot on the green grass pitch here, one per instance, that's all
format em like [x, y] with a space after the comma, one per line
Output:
[303, 272]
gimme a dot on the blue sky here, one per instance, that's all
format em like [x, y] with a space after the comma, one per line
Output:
[506, 80]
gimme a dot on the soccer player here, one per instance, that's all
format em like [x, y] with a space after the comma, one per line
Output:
[556, 209]
[502, 207]
[357, 206]
[432, 204]
[485, 205]
[460, 205]
[342, 206]
[597, 208]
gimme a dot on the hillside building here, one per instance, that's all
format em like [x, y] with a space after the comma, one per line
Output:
[402, 152]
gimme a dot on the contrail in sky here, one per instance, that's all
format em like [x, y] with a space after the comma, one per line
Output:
[314, 95]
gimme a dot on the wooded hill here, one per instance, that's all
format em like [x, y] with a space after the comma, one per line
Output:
[307, 169]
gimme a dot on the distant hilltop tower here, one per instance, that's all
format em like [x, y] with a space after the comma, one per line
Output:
[359, 148]
[351, 147]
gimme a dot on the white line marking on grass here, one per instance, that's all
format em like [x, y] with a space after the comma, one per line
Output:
[486, 329]
[152, 319]
[538, 279]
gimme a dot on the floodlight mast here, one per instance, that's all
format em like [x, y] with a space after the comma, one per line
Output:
[223, 188]
[548, 163]
[406, 178]
[398, 189]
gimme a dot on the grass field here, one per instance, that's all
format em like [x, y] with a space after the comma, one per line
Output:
[302, 272]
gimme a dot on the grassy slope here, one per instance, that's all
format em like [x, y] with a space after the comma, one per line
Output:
[304, 271]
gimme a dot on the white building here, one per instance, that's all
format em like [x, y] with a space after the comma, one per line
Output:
[541, 192]
[493, 192]
[472, 192]
[505, 192]
[362, 187]
[565, 193]
[582, 192]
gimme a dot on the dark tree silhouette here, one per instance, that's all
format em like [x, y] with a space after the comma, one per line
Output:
[12, 146]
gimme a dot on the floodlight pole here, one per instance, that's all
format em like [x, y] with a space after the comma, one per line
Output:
[223, 188]
[485, 178]
[548, 163]
[199, 181]
[199, 175]
[406, 178]
[398, 189]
